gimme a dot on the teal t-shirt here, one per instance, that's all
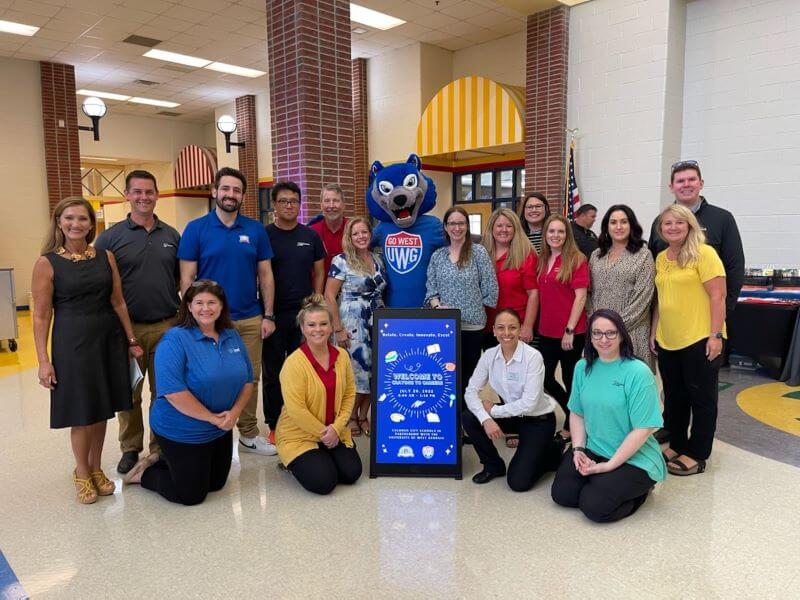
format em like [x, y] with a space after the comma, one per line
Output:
[614, 398]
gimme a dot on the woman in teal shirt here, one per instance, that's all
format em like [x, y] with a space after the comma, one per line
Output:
[615, 461]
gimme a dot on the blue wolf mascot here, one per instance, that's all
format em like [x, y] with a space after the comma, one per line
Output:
[399, 196]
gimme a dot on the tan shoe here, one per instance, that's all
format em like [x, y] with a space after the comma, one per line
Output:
[103, 485]
[84, 489]
[135, 474]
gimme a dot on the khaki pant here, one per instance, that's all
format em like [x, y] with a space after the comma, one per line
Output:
[250, 330]
[131, 426]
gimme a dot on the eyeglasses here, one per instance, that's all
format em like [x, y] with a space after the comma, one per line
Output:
[534, 207]
[456, 223]
[284, 202]
[610, 335]
[681, 164]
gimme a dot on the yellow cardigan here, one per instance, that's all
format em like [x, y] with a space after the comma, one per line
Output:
[303, 416]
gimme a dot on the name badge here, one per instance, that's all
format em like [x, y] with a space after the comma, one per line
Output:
[244, 239]
[514, 377]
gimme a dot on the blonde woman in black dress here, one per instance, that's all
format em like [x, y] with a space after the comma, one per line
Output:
[87, 373]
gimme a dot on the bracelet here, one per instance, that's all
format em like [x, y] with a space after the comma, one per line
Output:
[579, 449]
[133, 341]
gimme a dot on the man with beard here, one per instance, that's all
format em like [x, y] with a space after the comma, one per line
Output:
[234, 251]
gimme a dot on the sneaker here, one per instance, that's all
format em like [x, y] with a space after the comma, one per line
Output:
[257, 445]
[271, 437]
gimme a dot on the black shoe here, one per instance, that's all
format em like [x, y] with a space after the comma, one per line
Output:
[486, 476]
[662, 436]
[465, 441]
[129, 458]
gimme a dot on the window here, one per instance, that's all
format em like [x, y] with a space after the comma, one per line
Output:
[265, 211]
[475, 224]
[486, 188]
[464, 188]
[505, 185]
[501, 187]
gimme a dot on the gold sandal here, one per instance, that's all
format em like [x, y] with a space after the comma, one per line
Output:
[103, 485]
[84, 489]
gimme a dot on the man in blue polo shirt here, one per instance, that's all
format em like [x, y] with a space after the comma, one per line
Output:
[234, 251]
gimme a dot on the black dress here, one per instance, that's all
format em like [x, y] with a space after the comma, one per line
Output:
[89, 348]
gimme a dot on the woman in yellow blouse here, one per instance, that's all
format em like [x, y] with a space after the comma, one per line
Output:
[319, 391]
[688, 330]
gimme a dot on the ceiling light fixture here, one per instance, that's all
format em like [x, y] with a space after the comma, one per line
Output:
[151, 102]
[17, 28]
[359, 30]
[373, 18]
[106, 95]
[234, 70]
[99, 158]
[181, 59]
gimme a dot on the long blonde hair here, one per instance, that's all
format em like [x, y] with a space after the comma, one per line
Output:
[690, 249]
[351, 255]
[571, 257]
[520, 247]
[55, 237]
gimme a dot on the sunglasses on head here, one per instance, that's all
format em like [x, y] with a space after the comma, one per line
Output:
[682, 164]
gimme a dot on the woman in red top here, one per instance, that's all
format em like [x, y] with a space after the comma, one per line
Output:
[563, 281]
[515, 265]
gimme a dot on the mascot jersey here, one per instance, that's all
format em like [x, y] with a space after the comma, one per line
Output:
[407, 253]
[399, 196]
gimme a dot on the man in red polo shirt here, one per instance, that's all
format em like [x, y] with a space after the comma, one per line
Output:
[330, 227]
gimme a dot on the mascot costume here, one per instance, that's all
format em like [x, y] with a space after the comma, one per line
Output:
[399, 196]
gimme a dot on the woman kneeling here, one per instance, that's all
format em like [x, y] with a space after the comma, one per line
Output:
[203, 380]
[319, 391]
[615, 461]
[515, 371]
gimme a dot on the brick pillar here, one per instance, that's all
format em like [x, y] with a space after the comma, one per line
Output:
[360, 137]
[311, 96]
[61, 145]
[248, 155]
[546, 103]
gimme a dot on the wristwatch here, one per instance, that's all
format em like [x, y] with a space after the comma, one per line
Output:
[717, 334]
[269, 317]
[579, 449]
[569, 330]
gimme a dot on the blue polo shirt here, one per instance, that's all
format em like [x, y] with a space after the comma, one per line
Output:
[214, 372]
[229, 256]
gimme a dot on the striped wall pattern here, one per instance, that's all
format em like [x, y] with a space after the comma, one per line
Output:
[196, 166]
[469, 113]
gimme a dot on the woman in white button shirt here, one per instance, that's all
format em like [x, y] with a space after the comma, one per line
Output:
[515, 371]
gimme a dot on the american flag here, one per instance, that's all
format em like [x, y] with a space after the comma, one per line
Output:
[573, 199]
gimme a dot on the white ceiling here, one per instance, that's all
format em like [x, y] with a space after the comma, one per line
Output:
[88, 34]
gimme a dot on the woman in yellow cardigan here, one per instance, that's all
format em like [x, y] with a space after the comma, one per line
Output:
[319, 391]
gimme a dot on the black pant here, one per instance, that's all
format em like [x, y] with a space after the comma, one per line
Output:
[284, 340]
[471, 346]
[320, 470]
[605, 497]
[536, 454]
[690, 394]
[187, 472]
[552, 355]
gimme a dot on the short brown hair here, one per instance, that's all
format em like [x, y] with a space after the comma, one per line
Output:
[186, 318]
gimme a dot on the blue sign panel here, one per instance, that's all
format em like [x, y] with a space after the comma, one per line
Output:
[416, 393]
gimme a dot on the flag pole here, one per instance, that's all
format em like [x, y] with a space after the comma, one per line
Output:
[570, 148]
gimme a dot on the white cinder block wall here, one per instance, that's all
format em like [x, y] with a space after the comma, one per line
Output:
[619, 96]
[742, 118]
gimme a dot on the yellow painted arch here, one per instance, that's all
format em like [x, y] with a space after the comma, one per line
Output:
[470, 113]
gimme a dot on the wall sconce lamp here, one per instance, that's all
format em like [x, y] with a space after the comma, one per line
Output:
[227, 125]
[94, 108]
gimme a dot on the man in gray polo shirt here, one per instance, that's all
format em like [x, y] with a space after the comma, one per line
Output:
[146, 250]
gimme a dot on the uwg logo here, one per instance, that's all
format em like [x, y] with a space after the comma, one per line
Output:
[403, 251]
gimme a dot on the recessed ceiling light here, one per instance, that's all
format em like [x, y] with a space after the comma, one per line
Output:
[17, 28]
[99, 158]
[181, 59]
[106, 95]
[373, 18]
[359, 30]
[151, 102]
[234, 70]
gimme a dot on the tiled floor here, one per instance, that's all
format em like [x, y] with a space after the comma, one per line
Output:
[732, 532]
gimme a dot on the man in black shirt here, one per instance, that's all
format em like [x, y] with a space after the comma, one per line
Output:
[585, 238]
[145, 249]
[298, 266]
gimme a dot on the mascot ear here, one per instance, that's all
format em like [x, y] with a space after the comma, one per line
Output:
[373, 170]
[414, 160]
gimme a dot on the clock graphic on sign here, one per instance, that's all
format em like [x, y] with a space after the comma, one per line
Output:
[418, 384]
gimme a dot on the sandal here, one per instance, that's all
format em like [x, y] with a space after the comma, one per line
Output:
[355, 428]
[677, 467]
[668, 457]
[365, 427]
[135, 474]
[103, 485]
[512, 441]
[84, 489]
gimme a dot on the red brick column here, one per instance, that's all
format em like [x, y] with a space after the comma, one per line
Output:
[311, 96]
[248, 155]
[546, 103]
[61, 145]
[360, 137]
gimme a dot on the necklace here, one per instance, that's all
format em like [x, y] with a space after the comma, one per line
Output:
[87, 254]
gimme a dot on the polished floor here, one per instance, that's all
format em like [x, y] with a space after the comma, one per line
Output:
[732, 532]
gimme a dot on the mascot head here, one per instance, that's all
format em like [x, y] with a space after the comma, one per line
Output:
[400, 193]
